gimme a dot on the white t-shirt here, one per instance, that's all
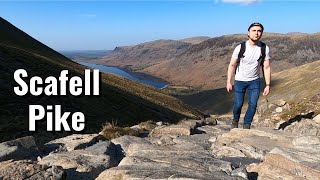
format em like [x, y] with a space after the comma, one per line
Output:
[248, 68]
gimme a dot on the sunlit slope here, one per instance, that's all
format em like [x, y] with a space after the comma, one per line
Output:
[292, 85]
[296, 83]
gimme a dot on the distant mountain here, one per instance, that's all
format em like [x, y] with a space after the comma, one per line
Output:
[146, 54]
[195, 40]
[120, 99]
[149, 53]
[204, 65]
[85, 55]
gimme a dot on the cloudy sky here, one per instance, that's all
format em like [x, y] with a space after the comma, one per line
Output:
[103, 25]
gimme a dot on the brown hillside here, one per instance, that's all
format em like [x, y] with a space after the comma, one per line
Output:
[205, 65]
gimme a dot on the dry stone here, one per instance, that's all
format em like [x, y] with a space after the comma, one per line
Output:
[304, 141]
[315, 98]
[27, 169]
[86, 163]
[172, 130]
[248, 150]
[72, 142]
[125, 141]
[280, 103]
[305, 127]
[279, 109]
[226, 151]
[317, 119]
[18, 149]
[276, 166]
[310, 158]
[237, 134]
[183, 160]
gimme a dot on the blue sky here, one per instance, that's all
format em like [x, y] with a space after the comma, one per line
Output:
[103, 25]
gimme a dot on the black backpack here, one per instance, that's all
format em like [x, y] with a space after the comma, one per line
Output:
[243, 49]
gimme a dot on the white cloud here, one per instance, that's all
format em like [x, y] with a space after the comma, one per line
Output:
[247, 2]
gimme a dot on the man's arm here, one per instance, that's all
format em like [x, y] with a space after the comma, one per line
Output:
[231, 70]
[267, 76]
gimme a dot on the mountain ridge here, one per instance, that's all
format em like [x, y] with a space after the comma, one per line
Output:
[204, 65]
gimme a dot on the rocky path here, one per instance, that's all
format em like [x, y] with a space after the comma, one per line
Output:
[189, 150]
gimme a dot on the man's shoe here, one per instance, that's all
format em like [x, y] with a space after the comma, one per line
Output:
[246, 126]
[234, 124]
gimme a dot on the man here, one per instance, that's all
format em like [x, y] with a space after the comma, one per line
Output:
[246, 68]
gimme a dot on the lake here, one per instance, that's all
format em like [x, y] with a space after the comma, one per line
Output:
[142, 78]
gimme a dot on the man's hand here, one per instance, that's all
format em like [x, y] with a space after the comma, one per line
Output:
[266, 90]
[229, 87]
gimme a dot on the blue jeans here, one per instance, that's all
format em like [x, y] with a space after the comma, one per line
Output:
[240, 88]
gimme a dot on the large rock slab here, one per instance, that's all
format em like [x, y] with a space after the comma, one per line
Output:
[27, 169]
[72, 142]
[237, 134]
[311, 143]
[125, 141]
[156, 170]
[310, 158]
[18, 149]
[277, 166]
[171, 130]
[252, 143]
[307, 127]
[85, 163]
[182, 160]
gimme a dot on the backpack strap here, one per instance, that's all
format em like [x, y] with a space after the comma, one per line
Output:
[241, 54]
[263, 53]
[262, 56]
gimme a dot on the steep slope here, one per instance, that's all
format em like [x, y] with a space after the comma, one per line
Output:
[293, 84]
[120, 99]
[296, 83]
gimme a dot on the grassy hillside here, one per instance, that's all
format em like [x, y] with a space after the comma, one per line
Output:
[292, 84]
[120, 99]
[296, 83]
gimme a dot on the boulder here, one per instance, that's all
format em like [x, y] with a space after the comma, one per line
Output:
[27, 169]
[317, 118]
[85, 163]
[123, 142]
[277, 166]
[304, 127]
[172, 130]
[72, 142]
[21, 148]
[280, 103]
